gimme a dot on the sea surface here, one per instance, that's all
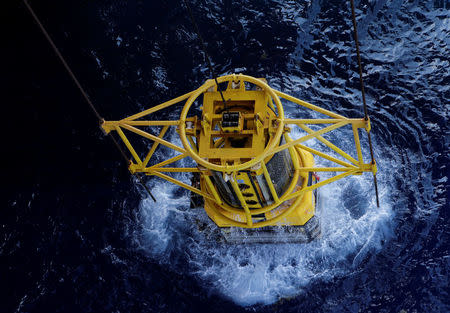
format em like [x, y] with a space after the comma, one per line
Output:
[79, 234]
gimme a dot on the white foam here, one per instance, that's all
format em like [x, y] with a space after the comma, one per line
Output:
[251, 274]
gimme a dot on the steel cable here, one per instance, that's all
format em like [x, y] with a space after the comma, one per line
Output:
[208, 59]
[83, 92]
[366, 115]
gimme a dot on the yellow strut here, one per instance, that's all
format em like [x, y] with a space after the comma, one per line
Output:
[258, 124]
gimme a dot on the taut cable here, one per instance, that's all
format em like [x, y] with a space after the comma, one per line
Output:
[366, 115]
[205, 51]
[83, 92]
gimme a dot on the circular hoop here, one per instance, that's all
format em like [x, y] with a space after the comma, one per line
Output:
[271, 221]
[229, 168]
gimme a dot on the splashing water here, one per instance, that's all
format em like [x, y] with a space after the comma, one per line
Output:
[352, 227]
[407, 148]
[164, 258]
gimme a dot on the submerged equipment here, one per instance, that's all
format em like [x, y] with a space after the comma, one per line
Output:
[255, 180]
[252, 174]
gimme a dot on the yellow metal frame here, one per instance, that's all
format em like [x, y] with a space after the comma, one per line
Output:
[348, 166]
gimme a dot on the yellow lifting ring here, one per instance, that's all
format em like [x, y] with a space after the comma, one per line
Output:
[231, 168]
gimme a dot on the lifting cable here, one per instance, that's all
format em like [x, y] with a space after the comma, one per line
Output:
[83, 92]
[366, 115]
[205, 51]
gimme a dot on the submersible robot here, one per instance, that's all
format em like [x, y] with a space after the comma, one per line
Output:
[258, 184]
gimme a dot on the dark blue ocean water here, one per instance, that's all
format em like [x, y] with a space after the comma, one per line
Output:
[77, 233]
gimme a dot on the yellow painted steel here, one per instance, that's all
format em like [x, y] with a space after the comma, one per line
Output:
[309, 136]
[155, 145]
[293, 183]
[171, 169]
[270, 146]
[357, 144]
[240, 153]
[329, 144]
[248, 215]
[356, 121]
[128, 144]
[158, 107]
[225, 216]
[270, 183]
[213, 190]
[154, 138]
[169, 161]
[191, 141]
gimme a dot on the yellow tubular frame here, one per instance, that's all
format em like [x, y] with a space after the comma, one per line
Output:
[296, 148]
